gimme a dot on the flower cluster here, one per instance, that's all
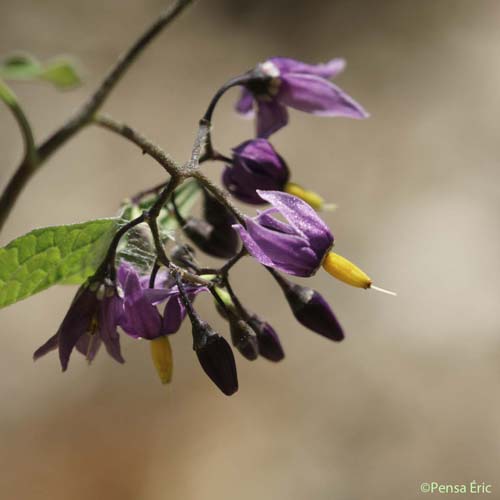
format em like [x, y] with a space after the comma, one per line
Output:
[288, 236]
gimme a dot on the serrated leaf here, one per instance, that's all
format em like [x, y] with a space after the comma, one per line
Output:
[52, 255]
[61, 72]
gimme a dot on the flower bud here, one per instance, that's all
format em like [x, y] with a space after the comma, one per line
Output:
[310, 197]
[183, 256]
[214, 234]
[244, 339]
[268, 340]
[311, 310]
[216, 357]
[161, 353]
[342, 269]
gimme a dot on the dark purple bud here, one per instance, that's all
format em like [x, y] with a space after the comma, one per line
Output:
[215, 356]
[268, 340]
[256, 165]
[183, 256]
[244, 339]
[214, 234]
[311, 309]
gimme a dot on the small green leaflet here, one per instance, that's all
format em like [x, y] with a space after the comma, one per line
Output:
[52, 255]
[60, 71]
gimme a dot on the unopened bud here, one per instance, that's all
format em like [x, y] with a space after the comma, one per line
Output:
[161, 353]
[216, 357]
[183, 255]
[313, 199]
[244, 339]
[268, 340]
[311, 309]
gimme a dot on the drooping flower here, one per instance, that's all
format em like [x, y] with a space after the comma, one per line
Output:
[282, 82]
[256, 165]
[297, 247]
[141, 318]
[91, 320]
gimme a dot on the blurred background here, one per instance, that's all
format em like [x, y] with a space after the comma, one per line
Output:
[411, 395]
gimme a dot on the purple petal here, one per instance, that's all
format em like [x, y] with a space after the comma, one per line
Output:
[50, 345]
[289, 253]
[173, 315]
[76, 322]
[141, 319]
[327, 70]
[271, 116]
[244, 106]
[111, 313]
[266, 219]
[88, 345]
[253, 249]
[303, 217]
[318, 96]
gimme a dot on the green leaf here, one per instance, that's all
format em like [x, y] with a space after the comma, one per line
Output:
[61, 72]
[20, 67]
[51, 255]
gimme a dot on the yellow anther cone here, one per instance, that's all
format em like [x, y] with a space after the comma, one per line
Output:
[161, 353]
[344, 270]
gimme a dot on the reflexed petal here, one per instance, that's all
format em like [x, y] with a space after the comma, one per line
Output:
[111, 312]
[76, 322]
[253, 249]
[327, 70]
[266, 219]
[244, 106]
[302, 217]
[173, 315]
[318, 96]
[88, 345]
[50, 345]
[271, 116]
[289, 253]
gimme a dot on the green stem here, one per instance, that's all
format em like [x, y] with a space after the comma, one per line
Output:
[10, 99]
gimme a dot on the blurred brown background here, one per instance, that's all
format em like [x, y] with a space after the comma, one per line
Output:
[412, 394]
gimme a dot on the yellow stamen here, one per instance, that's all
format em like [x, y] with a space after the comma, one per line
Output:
[342, 269]
[314, 199]
[161, 353]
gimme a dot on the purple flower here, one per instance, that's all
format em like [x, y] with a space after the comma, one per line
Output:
[92, 319]
[256, 165]
[297, 247]
[282, 82]
[141, 318]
